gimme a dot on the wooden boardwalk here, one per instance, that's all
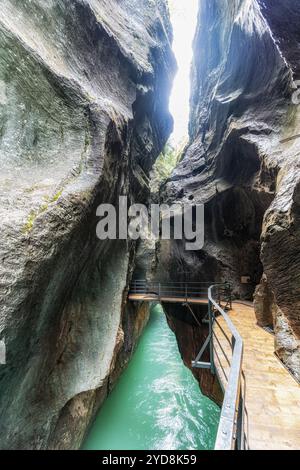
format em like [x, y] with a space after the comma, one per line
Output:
[272, 395]
[167, 299]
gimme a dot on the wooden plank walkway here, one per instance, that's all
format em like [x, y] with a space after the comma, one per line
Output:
[273, 396]
[167, 299]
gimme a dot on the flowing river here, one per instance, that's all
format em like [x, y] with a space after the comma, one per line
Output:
[157, 403]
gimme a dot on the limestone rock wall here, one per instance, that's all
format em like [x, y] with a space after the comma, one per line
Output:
[280, 251]
[84, 90]
[242, 160]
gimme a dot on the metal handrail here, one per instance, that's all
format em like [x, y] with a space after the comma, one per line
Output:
[204, 283]
[230, 433]
[182, 290]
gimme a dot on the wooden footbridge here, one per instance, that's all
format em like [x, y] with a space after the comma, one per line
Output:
[177, 292]
[261, 405]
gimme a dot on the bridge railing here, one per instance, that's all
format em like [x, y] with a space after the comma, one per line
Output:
[180, 290]
[232, 433]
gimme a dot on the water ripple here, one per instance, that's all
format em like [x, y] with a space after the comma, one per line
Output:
[157, 404]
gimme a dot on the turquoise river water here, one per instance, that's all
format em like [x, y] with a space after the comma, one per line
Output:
[157, 403]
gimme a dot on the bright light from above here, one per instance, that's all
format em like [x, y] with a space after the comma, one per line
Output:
[184, 19]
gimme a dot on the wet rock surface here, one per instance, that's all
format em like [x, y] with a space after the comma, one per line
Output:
[242, 161]
[83, 115]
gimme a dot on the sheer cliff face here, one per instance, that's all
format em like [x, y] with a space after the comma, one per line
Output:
[242, 161]
[83, 114]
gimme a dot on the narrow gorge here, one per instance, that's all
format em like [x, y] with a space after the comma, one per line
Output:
[84, 115]
[242, 163]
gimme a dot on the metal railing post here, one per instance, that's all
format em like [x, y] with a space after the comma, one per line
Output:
[159, 292]
[240, 443]
[186, 292]
[211, 343]
[228, 294]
